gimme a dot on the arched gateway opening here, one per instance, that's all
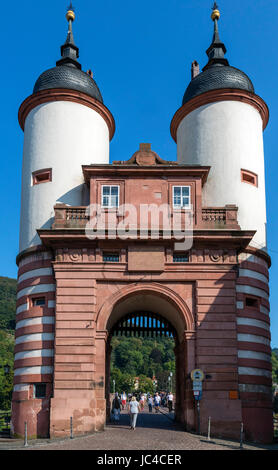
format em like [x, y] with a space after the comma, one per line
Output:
[137, 344]
[153, 311]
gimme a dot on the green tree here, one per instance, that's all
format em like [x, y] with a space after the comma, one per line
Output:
[156, 355]
[170, 366]
[7, 303]
[123, 382]
[143, 357]
[6, 359]
[145, 384]
[274, 359]
[128, 356]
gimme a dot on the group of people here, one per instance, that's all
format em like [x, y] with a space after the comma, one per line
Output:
[161, 399]
[120, 402]
[134, 404]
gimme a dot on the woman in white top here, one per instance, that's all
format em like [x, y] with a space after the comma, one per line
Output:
[134, 409]
[157, 400]
[170, 401]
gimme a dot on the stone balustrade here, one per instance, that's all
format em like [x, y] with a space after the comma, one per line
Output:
[70, 217]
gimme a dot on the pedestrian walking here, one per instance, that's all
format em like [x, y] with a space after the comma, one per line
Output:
[170, 401]
[150, 404]
[123, 397]
[157, 400]
[116, 408]
[163, 399]
[134, 409]
[142, 402]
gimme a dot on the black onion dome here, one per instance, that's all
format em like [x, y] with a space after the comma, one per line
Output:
[217, 73]
[69, 77]
[68, 71]
[216, 77]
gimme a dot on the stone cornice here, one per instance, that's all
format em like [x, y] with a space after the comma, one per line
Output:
[140, 171]
[239, 239]
[30, 251]
[215, 96]
[258, 252]
[61, 94]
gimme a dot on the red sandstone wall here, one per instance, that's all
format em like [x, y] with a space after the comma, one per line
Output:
[78, 388]
[34, 344]
[254, 350]
[206, 287]
[217, 352]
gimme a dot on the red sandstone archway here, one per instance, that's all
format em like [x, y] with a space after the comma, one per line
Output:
[158, 292]
[161, 299]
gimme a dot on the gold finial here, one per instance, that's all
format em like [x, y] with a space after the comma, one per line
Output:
[70, 13]
[215, 12]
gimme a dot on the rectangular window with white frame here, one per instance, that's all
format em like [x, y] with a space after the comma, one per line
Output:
[181, 197]
[110, 196]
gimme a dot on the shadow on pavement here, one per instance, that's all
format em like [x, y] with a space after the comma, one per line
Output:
[161, 420]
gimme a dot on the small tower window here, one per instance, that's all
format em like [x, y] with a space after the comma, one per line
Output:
[38, 302]
[39, 390]
[42, 176]
[251, 302]
[110, 197]
[181, 197]
[249, 177]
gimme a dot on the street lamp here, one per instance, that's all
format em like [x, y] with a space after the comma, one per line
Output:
[114, 382]
[170, 380]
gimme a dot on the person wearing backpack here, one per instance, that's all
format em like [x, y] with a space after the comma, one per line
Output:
[116, 408]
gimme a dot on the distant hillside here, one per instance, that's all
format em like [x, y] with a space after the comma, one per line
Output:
[7, 326]
[7, 303]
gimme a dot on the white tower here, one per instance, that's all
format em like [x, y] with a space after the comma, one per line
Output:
[221, 124]
[65, 125]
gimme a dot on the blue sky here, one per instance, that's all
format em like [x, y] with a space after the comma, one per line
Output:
[140, 54]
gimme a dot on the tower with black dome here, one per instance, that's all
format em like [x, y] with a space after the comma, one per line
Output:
[65, 125]
[220, 124]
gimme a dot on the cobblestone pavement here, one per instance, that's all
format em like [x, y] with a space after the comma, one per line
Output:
[153, 432]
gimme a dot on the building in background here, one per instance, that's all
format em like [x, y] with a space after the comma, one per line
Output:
[76, 289]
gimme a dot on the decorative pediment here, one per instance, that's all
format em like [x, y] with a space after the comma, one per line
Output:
[145, 156]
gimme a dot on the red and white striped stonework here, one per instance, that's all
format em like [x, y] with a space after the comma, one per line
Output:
[253, 334]
[34, 335]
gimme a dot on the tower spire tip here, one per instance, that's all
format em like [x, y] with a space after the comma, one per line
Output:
[215, 12]
[217, 50]
[70, 13]
[69, 50]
